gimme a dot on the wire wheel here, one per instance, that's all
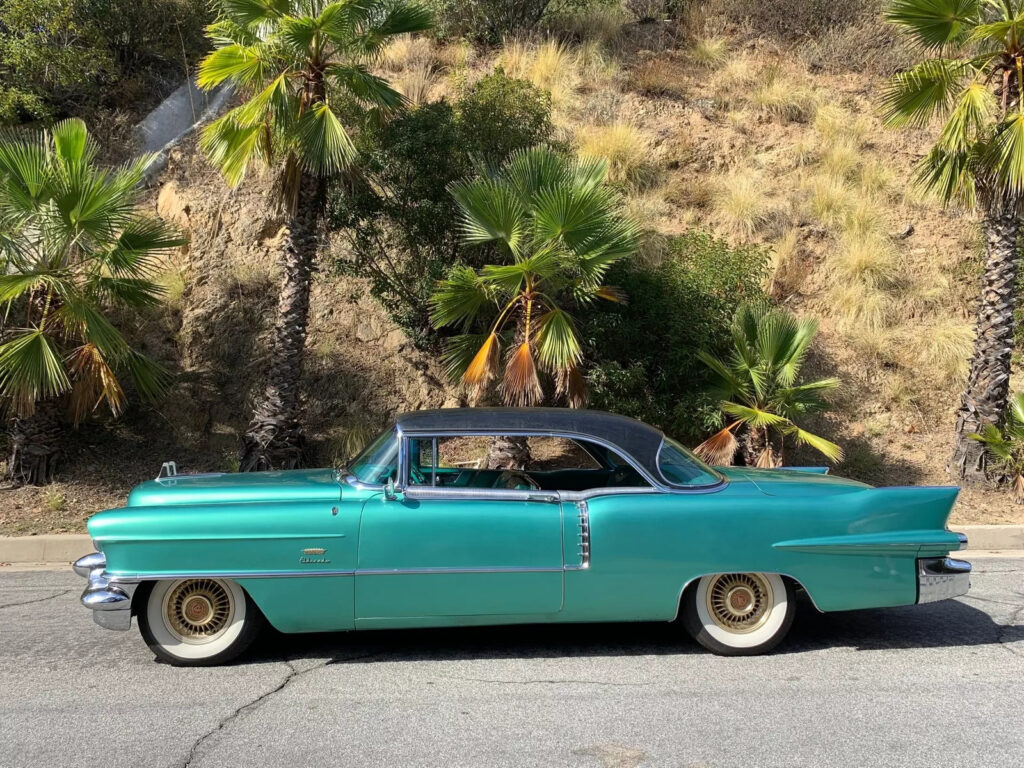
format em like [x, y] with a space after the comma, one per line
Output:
[197, 610]
[739, 602]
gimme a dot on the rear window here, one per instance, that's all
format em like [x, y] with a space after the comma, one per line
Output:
[681, 468]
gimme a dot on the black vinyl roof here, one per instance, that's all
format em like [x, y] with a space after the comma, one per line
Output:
[633, 438]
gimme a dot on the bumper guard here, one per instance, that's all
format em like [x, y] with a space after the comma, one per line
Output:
[110, 602]
[940, 578]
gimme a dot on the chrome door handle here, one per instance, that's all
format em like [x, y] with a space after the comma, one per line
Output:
[550, 498]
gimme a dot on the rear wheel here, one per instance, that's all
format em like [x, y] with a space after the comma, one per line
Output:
[198, 622]
[739, 614]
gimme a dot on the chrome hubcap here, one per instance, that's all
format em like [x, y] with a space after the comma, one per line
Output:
[198, 609]
[739, 602]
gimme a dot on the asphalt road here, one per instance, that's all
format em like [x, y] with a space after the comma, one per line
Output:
[930, 685]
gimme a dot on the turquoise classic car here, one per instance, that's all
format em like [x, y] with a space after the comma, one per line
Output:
[598, 518]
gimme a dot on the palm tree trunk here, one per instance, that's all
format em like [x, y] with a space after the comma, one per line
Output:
[36, 444]
[988, 384]
[508, 453]
[274, 439]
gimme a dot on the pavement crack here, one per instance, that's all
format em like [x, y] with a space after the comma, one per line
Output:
[293, 673]
[39, 599]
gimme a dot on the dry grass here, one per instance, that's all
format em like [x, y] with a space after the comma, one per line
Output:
[945, 348]
[841, 158]
[407, 52]
[710, 52]
[834, 124]
[875, 177]
[551, 65]
[741, 206]
[657, 77]
[626, 149]
[785, 100]
[417, 85]
[787, 273]
[862, 310]
[869, 259]
[828, 201]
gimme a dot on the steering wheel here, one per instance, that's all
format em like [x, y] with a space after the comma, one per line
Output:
[510, 478]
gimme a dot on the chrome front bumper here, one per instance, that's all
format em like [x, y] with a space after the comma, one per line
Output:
[940, 578]
[111, 603]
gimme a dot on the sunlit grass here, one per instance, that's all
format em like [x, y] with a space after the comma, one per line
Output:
[866, 258]
[710, 52]
[785, 100]
[828, 200]
[840, 158]
[626, 148]
[741, 205]
[407, 51]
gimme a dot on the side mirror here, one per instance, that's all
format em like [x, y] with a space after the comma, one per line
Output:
[389, 489]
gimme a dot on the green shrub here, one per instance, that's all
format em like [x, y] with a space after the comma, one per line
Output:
[490, 21]
[64, 57]
[399, 219]
[645, 353]
[500, 114]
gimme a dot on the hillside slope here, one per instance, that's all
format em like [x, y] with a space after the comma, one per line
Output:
[747, 138]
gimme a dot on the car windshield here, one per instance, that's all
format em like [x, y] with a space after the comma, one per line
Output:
[682, 468]
[378, 461]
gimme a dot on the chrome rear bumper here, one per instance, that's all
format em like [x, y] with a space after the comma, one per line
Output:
[940, 578]
[110, 603]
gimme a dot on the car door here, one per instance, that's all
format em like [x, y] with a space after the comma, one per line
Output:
[434, 551]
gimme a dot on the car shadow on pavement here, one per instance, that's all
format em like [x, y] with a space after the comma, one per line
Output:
[950, 623]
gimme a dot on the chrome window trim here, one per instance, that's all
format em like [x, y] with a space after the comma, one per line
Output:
[722, 479]
[658, 485]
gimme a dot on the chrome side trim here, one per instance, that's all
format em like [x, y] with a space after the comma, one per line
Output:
[940, 578]
[442, 571]
[963, 540]
[494, 494]
[583, 538]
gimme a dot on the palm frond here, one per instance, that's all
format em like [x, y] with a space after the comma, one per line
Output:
[489, 211]
[368, 88]
[231, 147]
[94, 382]
[570, 384]
[484, 365]
[752, 416]
[520, 384]
[558, 344]
[72, 143]
[719, 449]
[929, 89]
[250, 12]
[825, 447]
[460, 299]
[1004, 156]
[246, 65]
[324, 144]
[975, 107]
[935, 23]
[949, 175]
[30, 370]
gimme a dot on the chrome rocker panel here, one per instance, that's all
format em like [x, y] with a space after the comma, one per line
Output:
[940, 578]
[110, 603]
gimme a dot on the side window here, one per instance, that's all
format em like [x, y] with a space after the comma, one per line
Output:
[518, 463]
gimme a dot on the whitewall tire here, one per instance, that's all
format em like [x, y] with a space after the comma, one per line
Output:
[739, 614]
[198, 622]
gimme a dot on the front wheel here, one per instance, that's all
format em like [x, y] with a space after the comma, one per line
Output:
[198, 622]
[739, 614]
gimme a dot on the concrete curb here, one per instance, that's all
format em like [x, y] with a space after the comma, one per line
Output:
[51, 548]
[62, 548]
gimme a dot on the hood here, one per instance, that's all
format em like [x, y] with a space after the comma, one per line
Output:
[226, 487]
[792, 482]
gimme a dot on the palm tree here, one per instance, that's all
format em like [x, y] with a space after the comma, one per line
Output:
[74, 251]
[297, 62]
[761, 391]
[560, 228]
[973, 82]
[1006, 448]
